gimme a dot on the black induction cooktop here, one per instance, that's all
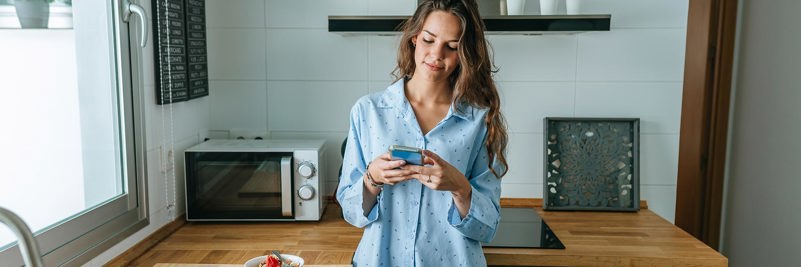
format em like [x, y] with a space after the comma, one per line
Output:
[523, 228]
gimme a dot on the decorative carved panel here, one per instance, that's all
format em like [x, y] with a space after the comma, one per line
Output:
[591, 164]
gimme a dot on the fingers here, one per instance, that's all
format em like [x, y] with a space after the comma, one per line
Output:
[386, 170]
[397, 175]
[424, 173]
[398, 179]
[416, 169]
[385, 162]
[385, 156]
[389, 171]
[433, 169]
[434, 182]
[431, 158]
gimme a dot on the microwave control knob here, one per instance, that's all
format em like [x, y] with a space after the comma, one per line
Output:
[306, 169]
[306, 192]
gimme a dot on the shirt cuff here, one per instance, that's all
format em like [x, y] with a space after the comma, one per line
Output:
[353, 210]
[471, 225]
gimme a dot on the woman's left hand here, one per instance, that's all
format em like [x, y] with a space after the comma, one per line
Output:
[438, 174]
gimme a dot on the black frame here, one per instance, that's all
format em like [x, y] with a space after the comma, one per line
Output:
[549, 204]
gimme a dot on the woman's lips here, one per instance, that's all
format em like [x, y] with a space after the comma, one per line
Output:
[433, 67]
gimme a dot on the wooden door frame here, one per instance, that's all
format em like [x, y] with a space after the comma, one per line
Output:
[704, 117]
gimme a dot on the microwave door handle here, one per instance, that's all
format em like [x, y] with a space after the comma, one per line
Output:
[286, 186]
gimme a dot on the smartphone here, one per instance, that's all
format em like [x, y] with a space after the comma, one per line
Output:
[411, 155]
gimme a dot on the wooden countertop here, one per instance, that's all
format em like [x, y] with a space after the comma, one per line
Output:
[609, 239]
[591, 238]
[235, 265]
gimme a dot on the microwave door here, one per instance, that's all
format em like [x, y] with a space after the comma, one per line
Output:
[286, 186]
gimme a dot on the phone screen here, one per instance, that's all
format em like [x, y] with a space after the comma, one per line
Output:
[411, 155]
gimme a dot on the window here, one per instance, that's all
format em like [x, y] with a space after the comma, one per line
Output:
[73, 149]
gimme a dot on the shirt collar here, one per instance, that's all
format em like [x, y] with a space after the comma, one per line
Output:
[395, 97]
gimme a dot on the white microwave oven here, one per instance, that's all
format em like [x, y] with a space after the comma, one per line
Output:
[255, 180]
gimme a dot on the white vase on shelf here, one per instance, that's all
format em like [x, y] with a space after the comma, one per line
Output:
[548, 7]
[515, 7]
[573, 7]
[32, 13]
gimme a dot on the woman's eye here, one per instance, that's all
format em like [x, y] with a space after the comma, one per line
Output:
[454, 48]
[428, 41]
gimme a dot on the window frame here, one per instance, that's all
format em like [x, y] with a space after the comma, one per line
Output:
[84, 236]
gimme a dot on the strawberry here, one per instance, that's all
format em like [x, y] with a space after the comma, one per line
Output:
[272, 261]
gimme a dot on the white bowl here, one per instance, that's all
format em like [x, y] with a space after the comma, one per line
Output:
[254, 262]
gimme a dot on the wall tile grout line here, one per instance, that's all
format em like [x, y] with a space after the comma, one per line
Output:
[575, 75]
[266, 73]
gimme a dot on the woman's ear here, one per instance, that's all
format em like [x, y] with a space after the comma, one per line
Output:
[414, 41]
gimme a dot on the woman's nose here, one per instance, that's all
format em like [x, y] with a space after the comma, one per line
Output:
[438, 52]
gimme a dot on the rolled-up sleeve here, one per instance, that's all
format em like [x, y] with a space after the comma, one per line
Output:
[351, 189]
[482, 218]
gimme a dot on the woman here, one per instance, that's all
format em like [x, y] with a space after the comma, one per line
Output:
[445, 102]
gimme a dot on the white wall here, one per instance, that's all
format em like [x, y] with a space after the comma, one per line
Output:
[276, 71]
[761, 219]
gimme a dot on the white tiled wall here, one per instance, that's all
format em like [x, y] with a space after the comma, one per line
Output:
[237, 53]
[535, 58]
[631, 55]
[525, 104]
[654, 103]
[638, 14]
[276, 71]
[315, 54]
[382, 59]
[311, 106]
[236, 14]
[238, 105]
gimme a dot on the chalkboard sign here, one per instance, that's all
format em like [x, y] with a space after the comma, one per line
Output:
[196, 48]
[180, 50]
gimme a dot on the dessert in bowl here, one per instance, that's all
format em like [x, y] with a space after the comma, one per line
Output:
[272, 261]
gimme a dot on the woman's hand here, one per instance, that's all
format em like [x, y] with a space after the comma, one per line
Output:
[384, 170]
[438, 174]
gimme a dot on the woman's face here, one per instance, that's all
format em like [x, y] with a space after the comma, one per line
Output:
[436, 47]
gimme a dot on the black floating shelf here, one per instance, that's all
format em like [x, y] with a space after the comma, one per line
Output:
[534, 24]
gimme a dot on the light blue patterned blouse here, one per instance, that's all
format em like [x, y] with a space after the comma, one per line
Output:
[412, 225]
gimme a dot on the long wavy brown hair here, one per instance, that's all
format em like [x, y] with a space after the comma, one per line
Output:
[472, 79]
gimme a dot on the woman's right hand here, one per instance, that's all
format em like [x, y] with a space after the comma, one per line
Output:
[384, 170]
